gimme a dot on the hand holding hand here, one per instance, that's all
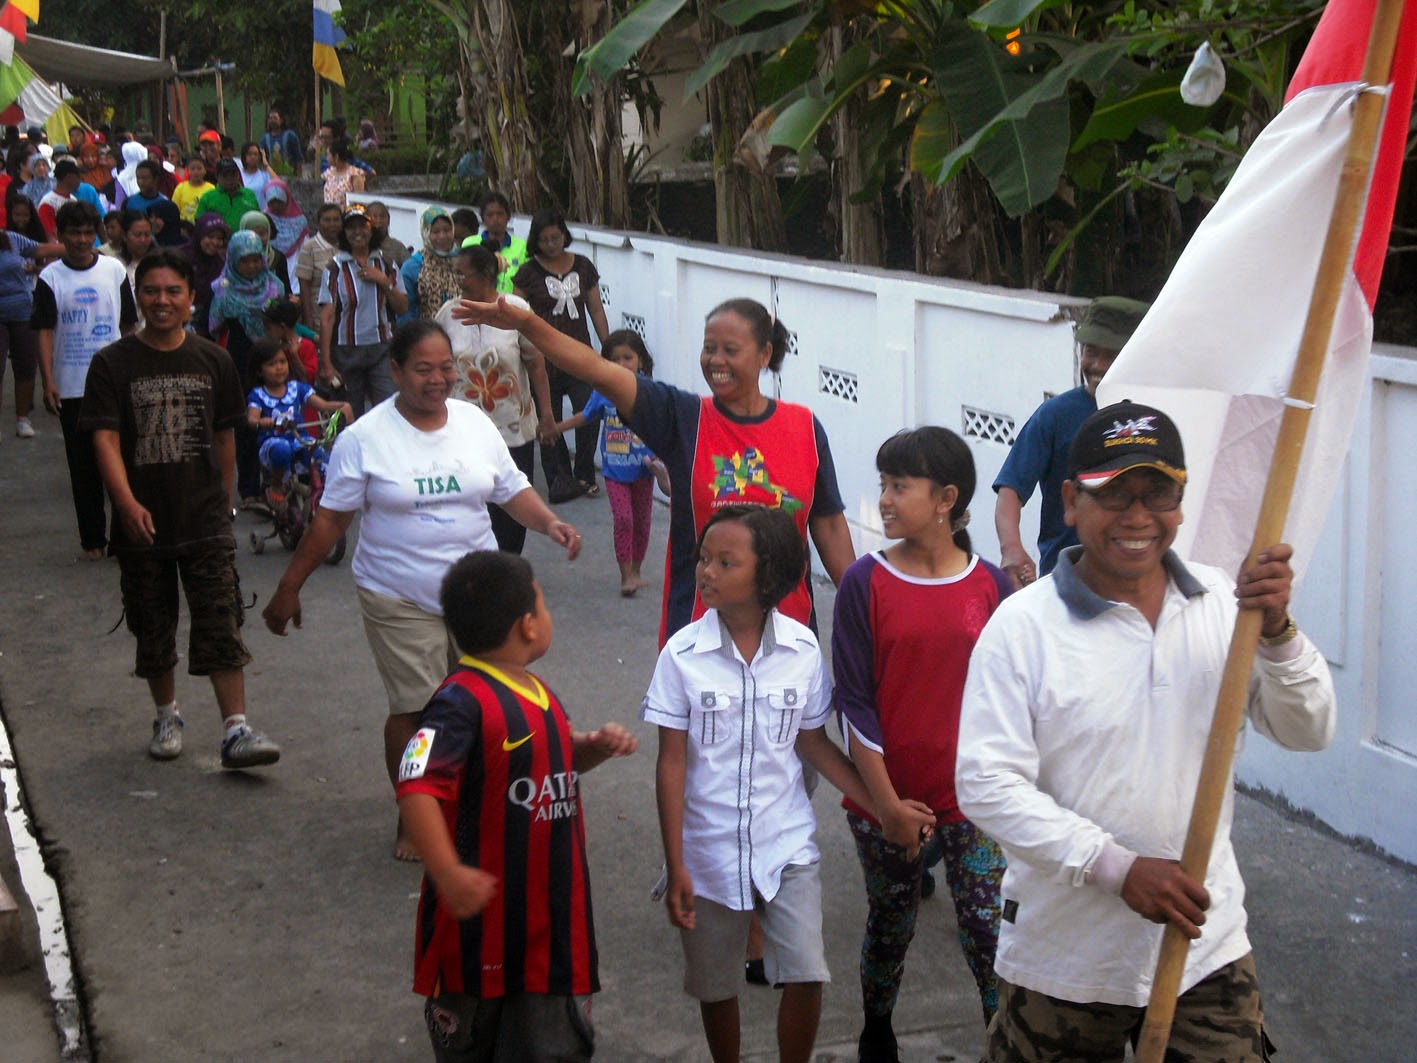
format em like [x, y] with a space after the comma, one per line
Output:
[907, 824]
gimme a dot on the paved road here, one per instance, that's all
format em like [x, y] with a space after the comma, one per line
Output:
[218, 916]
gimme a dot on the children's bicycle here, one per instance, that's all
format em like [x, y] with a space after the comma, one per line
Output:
[293, 501]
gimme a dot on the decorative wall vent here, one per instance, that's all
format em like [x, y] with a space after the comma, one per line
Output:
[837, 383]
[990, 427]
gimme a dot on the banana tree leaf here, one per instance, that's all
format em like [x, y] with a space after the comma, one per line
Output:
[934, 137]
[768, 40]
[737, 12]
[1116, 116]
[796, 124]
[990, 94]
[1024, 160]
[1006, 14]
[787, 72]
[608, 56]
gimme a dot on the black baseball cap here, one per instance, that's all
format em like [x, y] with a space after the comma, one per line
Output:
[1123, 436]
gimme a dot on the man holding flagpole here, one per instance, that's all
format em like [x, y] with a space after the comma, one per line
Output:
[1082, 733]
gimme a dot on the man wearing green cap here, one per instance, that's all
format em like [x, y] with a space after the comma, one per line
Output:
[1040, 451]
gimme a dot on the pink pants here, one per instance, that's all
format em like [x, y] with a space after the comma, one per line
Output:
[630, 511]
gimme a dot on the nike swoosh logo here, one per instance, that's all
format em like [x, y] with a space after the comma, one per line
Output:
[508, 745]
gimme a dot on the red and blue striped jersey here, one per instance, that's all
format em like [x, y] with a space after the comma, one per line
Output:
[497, 756]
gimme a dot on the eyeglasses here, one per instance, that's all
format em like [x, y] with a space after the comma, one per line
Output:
[1160, 498]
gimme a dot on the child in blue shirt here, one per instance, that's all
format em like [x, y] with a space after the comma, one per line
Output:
[274, 407]
[629, 467]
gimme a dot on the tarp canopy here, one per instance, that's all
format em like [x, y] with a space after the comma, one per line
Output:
[35, 101]
[80, 64]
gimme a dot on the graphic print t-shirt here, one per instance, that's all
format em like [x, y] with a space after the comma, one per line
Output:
[167, 407]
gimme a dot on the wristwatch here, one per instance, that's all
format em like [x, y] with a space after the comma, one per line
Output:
[1289, 634]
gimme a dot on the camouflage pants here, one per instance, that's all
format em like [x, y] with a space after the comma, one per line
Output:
[974, 867]
[149, 587]
[1219, 1020]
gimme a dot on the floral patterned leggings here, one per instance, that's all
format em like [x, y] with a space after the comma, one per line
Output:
[974, 866]
[630, 508]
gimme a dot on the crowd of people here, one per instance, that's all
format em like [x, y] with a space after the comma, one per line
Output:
[1008, 722]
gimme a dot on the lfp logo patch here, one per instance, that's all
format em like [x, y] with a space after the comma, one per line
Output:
[415, 754]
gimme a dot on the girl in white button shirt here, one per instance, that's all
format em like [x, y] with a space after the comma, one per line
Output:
[739, 696]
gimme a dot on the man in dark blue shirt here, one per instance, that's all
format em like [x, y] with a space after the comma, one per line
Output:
[1040, 452]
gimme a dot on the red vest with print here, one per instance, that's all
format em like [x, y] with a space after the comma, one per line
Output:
[770, 463]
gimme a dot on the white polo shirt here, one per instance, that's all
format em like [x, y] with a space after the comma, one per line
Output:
[1082, 726]
[746, 813]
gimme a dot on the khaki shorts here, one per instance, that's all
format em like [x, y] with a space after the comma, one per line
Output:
[792, 925]
[520, 1028]
[1218, 1020]
[412, 649]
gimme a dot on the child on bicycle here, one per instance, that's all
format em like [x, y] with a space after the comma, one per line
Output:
[274, 407]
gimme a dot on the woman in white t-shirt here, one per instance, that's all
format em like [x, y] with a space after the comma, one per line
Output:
[420, 471]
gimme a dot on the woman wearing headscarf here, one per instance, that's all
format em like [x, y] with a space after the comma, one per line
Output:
[41, 183]
[430, 276]
[167, 178]
[256, 222]
[93, 172]
[126, 181]
[207, 252]
[244, 289]
[289, 227]
[166, 221]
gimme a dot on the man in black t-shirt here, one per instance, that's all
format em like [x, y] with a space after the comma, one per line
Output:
[162, 406]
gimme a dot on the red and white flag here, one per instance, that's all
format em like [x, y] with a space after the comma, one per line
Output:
[1218, 346]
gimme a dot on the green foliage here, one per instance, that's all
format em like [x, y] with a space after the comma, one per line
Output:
[406, 159]
[613, 52]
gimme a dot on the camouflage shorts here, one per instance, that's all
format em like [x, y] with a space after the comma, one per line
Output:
[149, 587]
[1219, 1020]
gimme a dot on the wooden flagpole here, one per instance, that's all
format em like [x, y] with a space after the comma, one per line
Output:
[1334, 266]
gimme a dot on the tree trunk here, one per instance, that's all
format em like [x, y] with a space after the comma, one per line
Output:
[748, 209]
[494, 86]
[595, 159]
[863, 241]
[957, 230]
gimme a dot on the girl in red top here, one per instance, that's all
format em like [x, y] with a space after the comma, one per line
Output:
[906, 621]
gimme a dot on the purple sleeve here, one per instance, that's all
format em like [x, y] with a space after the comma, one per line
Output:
[853, 653]
[1000, 577]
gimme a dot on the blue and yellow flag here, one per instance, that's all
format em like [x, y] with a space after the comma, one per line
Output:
[328, 36]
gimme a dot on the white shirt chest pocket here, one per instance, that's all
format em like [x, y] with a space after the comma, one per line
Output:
[710, 718]
[784, 713]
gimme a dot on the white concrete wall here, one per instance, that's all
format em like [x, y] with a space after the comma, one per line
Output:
[921, 351]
